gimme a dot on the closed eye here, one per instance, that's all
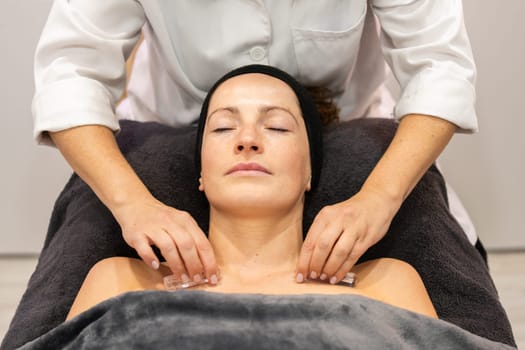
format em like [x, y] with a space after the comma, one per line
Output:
[219, 130]
[278, 129]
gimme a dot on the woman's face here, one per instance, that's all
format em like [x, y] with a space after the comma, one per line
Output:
[255, 151]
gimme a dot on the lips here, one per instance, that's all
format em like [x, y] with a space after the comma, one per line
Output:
[248, 168]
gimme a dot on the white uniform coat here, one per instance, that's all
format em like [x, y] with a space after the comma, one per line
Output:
[80, 59]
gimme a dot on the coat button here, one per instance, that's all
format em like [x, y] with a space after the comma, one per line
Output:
[257, 53]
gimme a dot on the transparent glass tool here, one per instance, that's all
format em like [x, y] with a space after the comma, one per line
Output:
[172, 284]
[349, 280]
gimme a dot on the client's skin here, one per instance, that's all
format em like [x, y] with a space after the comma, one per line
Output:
[255, 172]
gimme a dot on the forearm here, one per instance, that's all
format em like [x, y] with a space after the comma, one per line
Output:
[418, 142]
[94, 155]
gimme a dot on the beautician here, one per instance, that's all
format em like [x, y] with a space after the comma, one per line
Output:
[341, 45]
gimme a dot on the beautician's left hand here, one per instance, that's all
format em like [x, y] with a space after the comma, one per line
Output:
[342, 232]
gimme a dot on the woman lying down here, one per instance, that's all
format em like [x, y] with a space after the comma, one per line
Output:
[258, 162]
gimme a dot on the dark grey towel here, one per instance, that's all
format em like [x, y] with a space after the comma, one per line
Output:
[202, 320]
[82, 231]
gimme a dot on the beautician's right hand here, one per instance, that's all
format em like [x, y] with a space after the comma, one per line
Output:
[92, 152]
[183, 244]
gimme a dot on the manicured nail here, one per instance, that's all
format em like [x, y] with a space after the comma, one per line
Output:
[197, 278]
[185, 278]
[323, 276]
[213, 279]
[313, 275]
[155, 264]
[333, 279]
[299, 278]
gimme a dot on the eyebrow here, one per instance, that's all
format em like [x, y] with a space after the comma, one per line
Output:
[261, 110]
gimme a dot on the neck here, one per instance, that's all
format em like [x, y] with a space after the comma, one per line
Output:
[253, 248]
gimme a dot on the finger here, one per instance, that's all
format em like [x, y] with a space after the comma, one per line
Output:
[205, 253]
[307, 248]
[323, 248]
[350, 261]
[143, 249]
[339, 254]
[169, 251]
[341, 273]
[202, 245]
[188, 251]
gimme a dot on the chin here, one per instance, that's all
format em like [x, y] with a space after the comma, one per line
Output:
[253, 194]
[247, 203]
[249, 200]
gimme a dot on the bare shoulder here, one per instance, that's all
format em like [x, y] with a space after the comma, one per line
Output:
[113, 276]
[395, 282]
[389, 270]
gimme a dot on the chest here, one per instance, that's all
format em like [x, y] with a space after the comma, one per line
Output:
[278, 286]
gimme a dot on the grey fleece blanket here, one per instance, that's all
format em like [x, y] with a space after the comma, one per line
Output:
[423, 233]
[202, 320]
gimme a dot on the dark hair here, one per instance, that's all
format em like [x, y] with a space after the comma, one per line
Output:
[328, 110]
[309, 112]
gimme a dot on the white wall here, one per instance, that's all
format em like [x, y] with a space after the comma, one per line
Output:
[487, 169]
[31, 176]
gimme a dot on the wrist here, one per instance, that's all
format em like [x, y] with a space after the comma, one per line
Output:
[125, 196]
[93, 153]
[417, 143]
[389, 194]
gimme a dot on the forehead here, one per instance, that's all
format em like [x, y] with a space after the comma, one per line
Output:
[255, 86]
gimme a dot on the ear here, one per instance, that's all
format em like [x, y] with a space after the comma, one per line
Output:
[201, 186]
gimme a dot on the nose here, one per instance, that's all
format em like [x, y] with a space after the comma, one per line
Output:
[248, 141]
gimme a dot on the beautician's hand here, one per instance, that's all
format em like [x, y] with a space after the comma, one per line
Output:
[93, 153]
[341, 233]
[185, 247]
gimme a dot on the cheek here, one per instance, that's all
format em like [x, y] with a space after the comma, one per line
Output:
[209, 159]
[216, 158]
[298, 163]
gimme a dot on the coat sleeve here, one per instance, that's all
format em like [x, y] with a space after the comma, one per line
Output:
[80, 63]
[425, 42]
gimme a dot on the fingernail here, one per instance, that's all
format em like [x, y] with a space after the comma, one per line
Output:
[313, 275]
[299, 278]
[185, 278]
[323, 276]
[332, 280]
[197, 278]
[213, 279]
[155, 264]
